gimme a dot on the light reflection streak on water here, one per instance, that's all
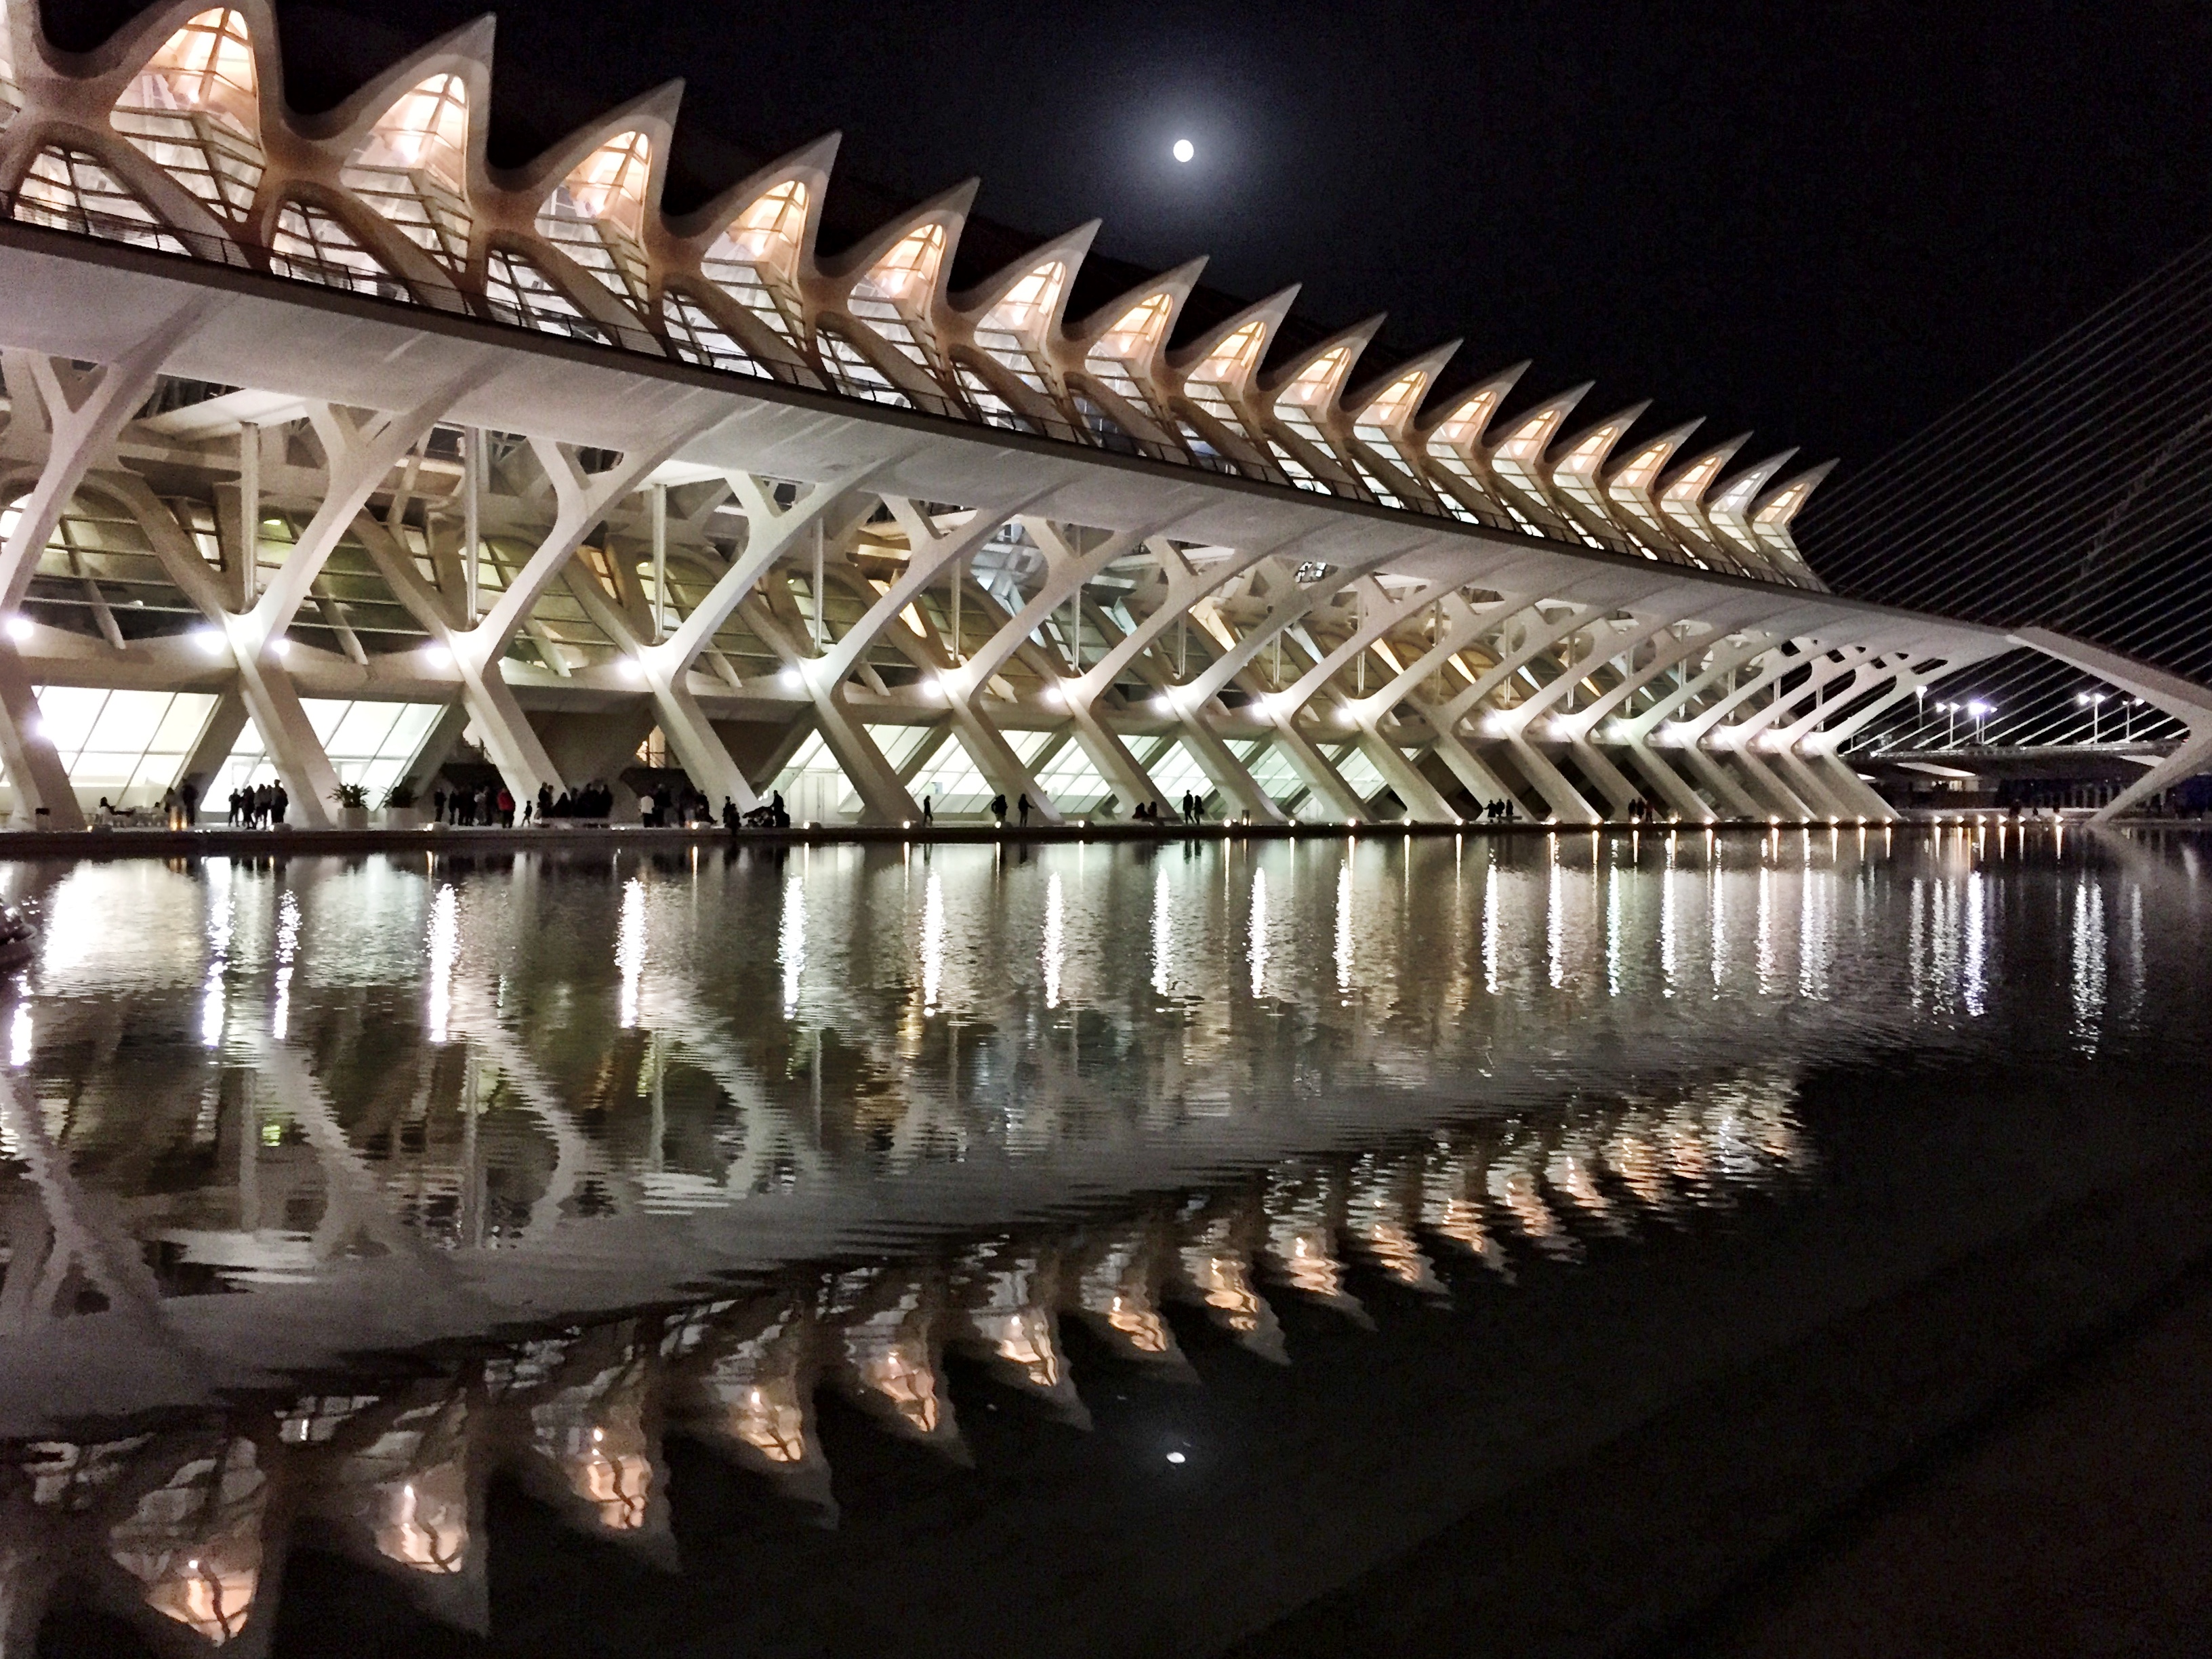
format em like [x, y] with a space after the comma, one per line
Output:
[2088, 964]
[1258, 948]
[1668, 922]
[932, 941]
[1344, 923]
[1053, 942]
[19, 1036]
[445, 950]
[218, 959]
[1612, 931]
[1162, 929]
[1973, 984]
[1490, 924]
[1717, 926]
[629, 950]
[1764, 937]
[791, 940]
[1815, 904]
[288, 947]
[1555, 920]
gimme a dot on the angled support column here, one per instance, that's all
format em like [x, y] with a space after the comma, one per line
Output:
[883, 797]
[1566, 801]
[1470, 623]
[2185, 699]
[882, 793]
[1065, 573]
[1821, 786]
[1186, 586]
[1188, 701]
[1728, 793]
[1420, 797]
[581, 501]
[63, 422]
[1574, 727]
[1821, 750]
[1743, 740]
[362, 455]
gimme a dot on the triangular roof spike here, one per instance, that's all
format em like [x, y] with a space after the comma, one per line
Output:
[1268, 313]
[1531, 433]
[1584, 452]
[1068, 248]
[948, 207]
[1774, 509]
[811, 164]
[465, 52]
[1734, 497]
[1687, 484]
[1466, 418]
[1359, 400]
[1347, 343]
[1176, 284]
[123, 54]
[652, 113]
[1643, 464]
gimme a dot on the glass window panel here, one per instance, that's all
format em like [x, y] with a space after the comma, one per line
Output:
[98, 768]
[128, 721]
[955, 783]
[310, 245]
[154, 777]
[69, 189]
[324, 714]
[66, 714]
[181, 725]
[361, 730]
[412, 729]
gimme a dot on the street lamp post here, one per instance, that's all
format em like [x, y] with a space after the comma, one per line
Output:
[1949, 712]
[2094, 702]
[1980, 712]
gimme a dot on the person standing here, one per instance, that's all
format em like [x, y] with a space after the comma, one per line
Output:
[506, 808]
[928, 815]
[999, 810]
[1023, 808]
[279, 803]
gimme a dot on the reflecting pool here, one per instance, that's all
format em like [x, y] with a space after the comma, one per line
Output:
[971, 1248]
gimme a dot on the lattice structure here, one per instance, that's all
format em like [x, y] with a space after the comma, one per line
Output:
[598, 487]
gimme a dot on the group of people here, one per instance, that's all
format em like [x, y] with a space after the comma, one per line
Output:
[1156, 812]
[677, 805]
[259, 806]
[493, 808]
[770, 814]
[999, 810]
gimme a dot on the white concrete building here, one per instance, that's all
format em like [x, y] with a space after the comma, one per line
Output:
[329, 446]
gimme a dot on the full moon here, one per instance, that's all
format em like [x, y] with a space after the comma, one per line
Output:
[1184, 150]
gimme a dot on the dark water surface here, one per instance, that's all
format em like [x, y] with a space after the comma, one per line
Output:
[972, 1250]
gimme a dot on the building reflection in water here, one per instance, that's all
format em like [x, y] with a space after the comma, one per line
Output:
[432, 1137]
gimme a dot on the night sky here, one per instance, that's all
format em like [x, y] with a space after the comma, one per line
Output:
[1828, 223]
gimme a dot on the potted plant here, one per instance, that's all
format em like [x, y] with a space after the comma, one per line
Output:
[398, 810]
[352, 802]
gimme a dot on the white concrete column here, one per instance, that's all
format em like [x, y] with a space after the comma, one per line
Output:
[2185, 699]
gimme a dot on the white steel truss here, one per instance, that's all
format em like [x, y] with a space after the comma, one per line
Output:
[329, 412]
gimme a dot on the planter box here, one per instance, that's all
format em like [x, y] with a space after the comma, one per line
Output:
[398, 817]
[353, 818]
